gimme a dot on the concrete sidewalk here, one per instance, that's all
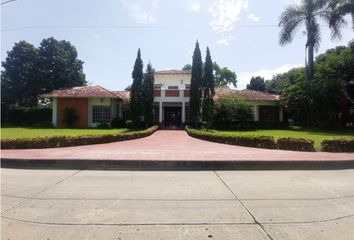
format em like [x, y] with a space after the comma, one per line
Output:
[68, 204]
[168, 148]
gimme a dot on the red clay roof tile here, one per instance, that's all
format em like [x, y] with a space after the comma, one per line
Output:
[81, 92]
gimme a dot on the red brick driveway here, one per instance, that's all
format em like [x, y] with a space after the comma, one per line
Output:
[169, 145]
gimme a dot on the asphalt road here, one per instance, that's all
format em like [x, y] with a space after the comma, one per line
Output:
[69, 204]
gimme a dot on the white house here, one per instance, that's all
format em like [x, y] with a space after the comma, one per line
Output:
[95, 105]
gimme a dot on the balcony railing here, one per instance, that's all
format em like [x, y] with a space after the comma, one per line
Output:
[171, 93]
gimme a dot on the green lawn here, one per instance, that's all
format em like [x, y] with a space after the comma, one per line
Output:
[316, 136]
[7, 133]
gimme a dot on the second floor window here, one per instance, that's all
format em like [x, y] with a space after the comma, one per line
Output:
[157, 86]
[188, 86]
[172, 87]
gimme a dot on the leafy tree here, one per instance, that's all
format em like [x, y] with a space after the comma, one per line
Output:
[308, 12]
[148, 95]
[187, 67]
[29, 71]
[196, 87]
[233, 108]
[59, 65]
[280, 82]
[257, 84]
[128, 88]
[19, 79]
[136, 101]
[208, 89]
[224, 76]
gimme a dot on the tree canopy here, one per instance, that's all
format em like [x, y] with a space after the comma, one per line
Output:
[308, 13]
[257, 84]
[30, 71]
[136, 95]
[148, 95]
[222, 76]
[208, 89]
[196, 86]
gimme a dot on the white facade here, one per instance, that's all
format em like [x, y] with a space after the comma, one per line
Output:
[171, 91]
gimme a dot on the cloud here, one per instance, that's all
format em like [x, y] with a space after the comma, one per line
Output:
[194, 5]
[224, 40]
[253, 17]
[244, 78]
[142, 12]
[225, 13]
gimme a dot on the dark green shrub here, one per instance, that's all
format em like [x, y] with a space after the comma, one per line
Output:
[118, 123]
[129, 124]
[69, 117]
[235, 125]
[65, 141]
[103, 126]
[296, 144]
[338, 145]
[247, 141]
[233, 108]
[27, 116]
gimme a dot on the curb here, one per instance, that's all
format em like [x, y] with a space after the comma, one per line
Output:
[177, 165]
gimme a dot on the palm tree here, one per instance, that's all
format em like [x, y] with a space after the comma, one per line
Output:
[308, 13]
[342, 8]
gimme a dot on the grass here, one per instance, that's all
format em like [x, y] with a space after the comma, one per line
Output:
[8, 133]
[316, 136]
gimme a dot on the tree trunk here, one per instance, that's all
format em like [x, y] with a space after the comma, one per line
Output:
[309, 65]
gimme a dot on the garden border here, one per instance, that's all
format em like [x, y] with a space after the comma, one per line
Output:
[68, 141]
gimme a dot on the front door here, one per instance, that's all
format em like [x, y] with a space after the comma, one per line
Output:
[173, 117]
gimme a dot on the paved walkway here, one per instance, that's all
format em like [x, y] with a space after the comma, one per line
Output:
[177, 205]
[170, 146]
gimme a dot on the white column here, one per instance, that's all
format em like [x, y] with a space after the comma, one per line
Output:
[160, 112]
[183, 112]
[256, 113]
[54, 112]
[281, 118]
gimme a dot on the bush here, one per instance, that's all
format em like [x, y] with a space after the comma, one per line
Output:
[296, 144]
[27, 116]
[129, 124]
[233, 108]
[236, 125]
[247, 141]
[338, 145]
[118, 123]
[65, 141]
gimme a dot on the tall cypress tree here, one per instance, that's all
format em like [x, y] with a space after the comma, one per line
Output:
[208, 89]
[136, 100]
[148, 95]
[196, 88]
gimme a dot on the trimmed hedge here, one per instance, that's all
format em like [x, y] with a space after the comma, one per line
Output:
[66, 141]
[235, 125]
[247, 141]
[28, 117]
[296, 144]
[338, 145]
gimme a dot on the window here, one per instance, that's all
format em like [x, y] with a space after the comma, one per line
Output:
[157, 86]
[173, 87]
[101, 114]
[188, 86]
